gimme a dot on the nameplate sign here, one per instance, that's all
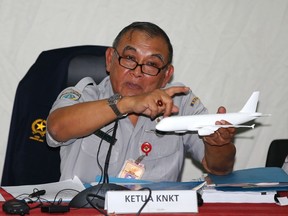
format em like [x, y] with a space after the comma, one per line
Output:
[161, 201]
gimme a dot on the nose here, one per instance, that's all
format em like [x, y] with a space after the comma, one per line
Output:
[137, 72]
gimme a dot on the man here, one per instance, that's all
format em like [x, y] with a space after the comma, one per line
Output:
[137, 94]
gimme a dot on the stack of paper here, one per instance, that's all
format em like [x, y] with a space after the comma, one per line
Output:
[254, 179]
[211, 195]
[255, 185]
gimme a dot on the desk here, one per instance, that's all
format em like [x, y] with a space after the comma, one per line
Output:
[208, 209]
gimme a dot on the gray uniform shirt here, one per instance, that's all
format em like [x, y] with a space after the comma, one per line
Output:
[163, 163]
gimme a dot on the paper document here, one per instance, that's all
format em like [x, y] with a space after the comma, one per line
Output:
[211, 195]
[136, 184]
[65, 190]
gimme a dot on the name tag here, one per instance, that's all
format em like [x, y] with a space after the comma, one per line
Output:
[161, 201]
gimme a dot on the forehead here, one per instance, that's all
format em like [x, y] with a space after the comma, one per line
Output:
[141, 41]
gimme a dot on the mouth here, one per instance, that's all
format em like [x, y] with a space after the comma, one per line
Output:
[133, 86]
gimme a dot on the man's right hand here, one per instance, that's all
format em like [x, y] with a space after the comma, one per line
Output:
[153, 104]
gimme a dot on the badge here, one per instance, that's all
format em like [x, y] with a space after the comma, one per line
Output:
[194, 100]
[70, 94]
[146, 147]
[131, 170]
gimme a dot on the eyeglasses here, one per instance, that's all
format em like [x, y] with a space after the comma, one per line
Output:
[145, 68]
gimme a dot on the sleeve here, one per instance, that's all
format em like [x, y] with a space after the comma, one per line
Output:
[69, 97]
[53, 143]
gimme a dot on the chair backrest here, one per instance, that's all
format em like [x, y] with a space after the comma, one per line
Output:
[29, 160]
[277, 152]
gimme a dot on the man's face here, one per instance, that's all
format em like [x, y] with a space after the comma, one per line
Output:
[143, 49]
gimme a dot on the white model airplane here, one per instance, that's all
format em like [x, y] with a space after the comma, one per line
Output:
[205, 124]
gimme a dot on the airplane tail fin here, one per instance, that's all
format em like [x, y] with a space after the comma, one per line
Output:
[251, 104]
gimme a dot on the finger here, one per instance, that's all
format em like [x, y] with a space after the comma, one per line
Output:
[227, 134]
[211, 139]
[224, 134]
[163, 106]
[177, 90]
[231, 130]
[168, 106]
[169, 109]
[160, 103]
[221, 109]
[221, 137]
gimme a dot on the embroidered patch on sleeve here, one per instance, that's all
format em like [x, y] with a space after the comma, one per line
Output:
[70, 94]
[194, 100]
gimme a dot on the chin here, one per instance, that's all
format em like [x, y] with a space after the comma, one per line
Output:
[134, 93]
[131, 91]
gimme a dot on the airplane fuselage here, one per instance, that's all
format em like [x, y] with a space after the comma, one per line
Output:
[194, 122]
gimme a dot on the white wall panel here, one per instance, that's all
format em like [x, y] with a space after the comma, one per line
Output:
[224, 50]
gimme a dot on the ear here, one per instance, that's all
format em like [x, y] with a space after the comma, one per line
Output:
[109, 57]
[168, 75]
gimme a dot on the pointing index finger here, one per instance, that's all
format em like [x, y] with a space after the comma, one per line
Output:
[171, 91]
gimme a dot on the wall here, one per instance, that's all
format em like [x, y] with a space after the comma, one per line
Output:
[224, 50]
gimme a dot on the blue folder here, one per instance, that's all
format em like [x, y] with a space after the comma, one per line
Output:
[253, 179]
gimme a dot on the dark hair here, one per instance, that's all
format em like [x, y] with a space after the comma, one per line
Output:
[151, 29]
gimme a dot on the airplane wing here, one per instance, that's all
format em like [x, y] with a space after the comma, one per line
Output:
[210, 129]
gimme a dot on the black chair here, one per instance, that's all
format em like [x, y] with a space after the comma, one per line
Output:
[29, 160]
[277, 152]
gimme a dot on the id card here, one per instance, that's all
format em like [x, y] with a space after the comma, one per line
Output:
[131, 170]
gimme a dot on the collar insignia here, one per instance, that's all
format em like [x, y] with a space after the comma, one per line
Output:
[194, 100]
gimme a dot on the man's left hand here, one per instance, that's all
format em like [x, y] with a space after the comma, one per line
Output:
[222, 136]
